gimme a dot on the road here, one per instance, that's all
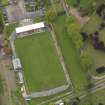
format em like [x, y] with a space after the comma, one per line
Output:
[49, 92]
[98, 77]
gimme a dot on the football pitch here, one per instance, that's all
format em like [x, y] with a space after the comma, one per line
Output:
[41, 66]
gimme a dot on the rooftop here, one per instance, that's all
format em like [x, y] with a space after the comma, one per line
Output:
[30, 27]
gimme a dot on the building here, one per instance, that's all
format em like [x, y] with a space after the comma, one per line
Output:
[17, 64]
[30, 29]
[20, 77]
[59, 102]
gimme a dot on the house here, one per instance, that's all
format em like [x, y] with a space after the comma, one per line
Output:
[30, 29]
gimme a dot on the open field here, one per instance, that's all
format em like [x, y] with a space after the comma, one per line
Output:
[70, 54]
[98, 56]
[41, 66]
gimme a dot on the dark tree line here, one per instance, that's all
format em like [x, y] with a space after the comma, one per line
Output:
[94, 37]
[101, 11]
[1, 23]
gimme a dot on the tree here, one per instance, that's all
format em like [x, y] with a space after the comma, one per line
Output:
[85, 60]
[74, 33]
[6, 47]
[79, 42]
[7, 50]
[50, 15]
[100, 104]
[87, 7]
[73, 26]
[70, 20]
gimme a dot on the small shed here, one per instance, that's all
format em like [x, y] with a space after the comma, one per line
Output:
[17, 64]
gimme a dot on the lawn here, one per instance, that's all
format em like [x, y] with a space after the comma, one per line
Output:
[98, 56]
[94, 99]
[41, 66]
[70, 54]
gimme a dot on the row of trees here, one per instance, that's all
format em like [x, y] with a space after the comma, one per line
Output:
[101, 11]
[1, 86]
[73, 30]
[1, 23]
[74, 35]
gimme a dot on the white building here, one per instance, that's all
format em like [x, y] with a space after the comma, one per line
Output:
[17, 64]
[20, 76]
[30, 29]
[59, 102]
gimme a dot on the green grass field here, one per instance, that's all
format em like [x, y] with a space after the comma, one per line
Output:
[70, 54]
[41, 66]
